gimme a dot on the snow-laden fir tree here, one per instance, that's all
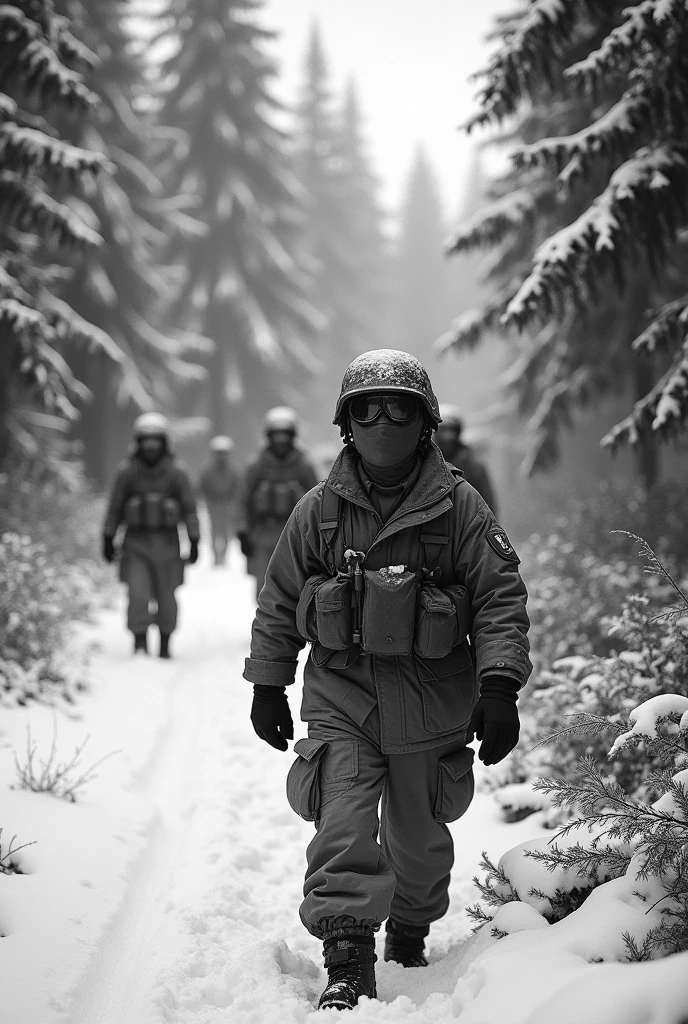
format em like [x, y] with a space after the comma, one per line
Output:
[242, 281]
[587, 231]
[42, 65]
[343, 221]
[122, 287]
[421, 278]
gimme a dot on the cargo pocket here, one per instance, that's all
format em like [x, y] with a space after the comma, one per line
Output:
[448, 690]
[339, 769]
[455, 785]
[437, 629]
[303, 780]
[333, 613]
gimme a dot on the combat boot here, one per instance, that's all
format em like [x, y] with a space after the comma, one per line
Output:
[350, 962]
[140, 643]
[404, 944]
[165, 645]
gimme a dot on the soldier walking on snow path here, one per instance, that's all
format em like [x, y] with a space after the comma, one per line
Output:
[273, 483]
[397, 573]
[151, 495]
[219, 485]
[449, 440]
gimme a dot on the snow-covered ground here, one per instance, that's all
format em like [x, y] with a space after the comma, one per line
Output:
[169, 891]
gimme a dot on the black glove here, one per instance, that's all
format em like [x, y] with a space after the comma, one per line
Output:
[270, 715]
[192, 556]
[495, 719]
[108, 549]
[246, 543]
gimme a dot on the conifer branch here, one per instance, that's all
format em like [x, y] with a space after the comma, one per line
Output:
[28, 208]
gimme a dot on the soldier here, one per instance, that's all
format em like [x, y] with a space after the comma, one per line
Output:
[273, 483]
[450, 442]
[151, 495]
[398, 574]
[218, 485]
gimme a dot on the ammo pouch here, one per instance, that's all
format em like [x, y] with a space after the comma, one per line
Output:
[133, 512]
[323, 614]
[152, 512]
[389, 611]
[261, 500]
[442, 620]
[284, 497]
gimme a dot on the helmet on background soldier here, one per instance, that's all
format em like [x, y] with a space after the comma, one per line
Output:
[151, 424]
[387, 369]
[222, 443]
[281, 418]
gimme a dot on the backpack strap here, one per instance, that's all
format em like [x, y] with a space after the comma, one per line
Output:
[330, 511]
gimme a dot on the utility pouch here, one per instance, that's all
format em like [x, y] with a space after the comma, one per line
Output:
[152, 511]
[261, 500]
[133, 512]
[305, 609]
[389, 610]
[437, 630]
[333, 613]
[459, 598]
[171, 512]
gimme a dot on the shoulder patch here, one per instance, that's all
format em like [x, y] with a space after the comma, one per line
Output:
[499, 542]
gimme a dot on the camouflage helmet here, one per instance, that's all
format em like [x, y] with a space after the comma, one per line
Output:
[222, 443]
[280, 418]
[151, 424]
[387, 369]
[451, 416]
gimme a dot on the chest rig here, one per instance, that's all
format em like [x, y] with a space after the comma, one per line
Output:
[394, 610]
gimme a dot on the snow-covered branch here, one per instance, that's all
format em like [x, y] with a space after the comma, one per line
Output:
[662, 410]
[488, 226]
[645, 198]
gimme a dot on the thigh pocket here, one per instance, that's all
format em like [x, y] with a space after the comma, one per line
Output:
[303, 780]
[455, 785]
[339, 769]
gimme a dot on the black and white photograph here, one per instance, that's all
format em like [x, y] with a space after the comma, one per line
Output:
[344, 511]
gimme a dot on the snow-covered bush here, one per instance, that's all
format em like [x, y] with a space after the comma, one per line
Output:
[631, 851]
[63, 779]
[647, 655]
[40, 599]
[49, 578]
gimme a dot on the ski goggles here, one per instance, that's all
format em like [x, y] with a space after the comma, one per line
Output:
[399, 407]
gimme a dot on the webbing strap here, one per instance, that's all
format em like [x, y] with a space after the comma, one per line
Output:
[330, 506]
[432, 547]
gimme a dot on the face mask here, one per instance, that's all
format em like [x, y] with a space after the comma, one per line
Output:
[384, 444]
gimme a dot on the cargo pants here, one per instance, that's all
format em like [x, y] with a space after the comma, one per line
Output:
[152, 569]
[361, 864]
[220, 515]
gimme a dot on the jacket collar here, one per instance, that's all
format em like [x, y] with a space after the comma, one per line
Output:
[161, 465]
[434, 483]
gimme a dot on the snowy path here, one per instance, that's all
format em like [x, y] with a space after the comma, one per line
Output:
[199, 921]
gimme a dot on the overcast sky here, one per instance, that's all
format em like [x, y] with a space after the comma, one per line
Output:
[411, 60]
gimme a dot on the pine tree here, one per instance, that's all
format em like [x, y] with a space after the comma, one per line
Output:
[421, 274]
[41, 80]
[343, 225]
[595, 93]
[243, 284]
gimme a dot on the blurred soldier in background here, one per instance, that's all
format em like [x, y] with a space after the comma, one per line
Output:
[450, 442]
[218, 485]
[273, 483]
[151, 495]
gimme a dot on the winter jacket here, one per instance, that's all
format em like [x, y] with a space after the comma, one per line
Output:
[219, 484]
[270, 489]
[422, 702]
[168, 478]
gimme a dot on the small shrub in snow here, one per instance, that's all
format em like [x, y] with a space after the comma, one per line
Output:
[615, 836]
[40, 599]
[63, 779]
[8, 864]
